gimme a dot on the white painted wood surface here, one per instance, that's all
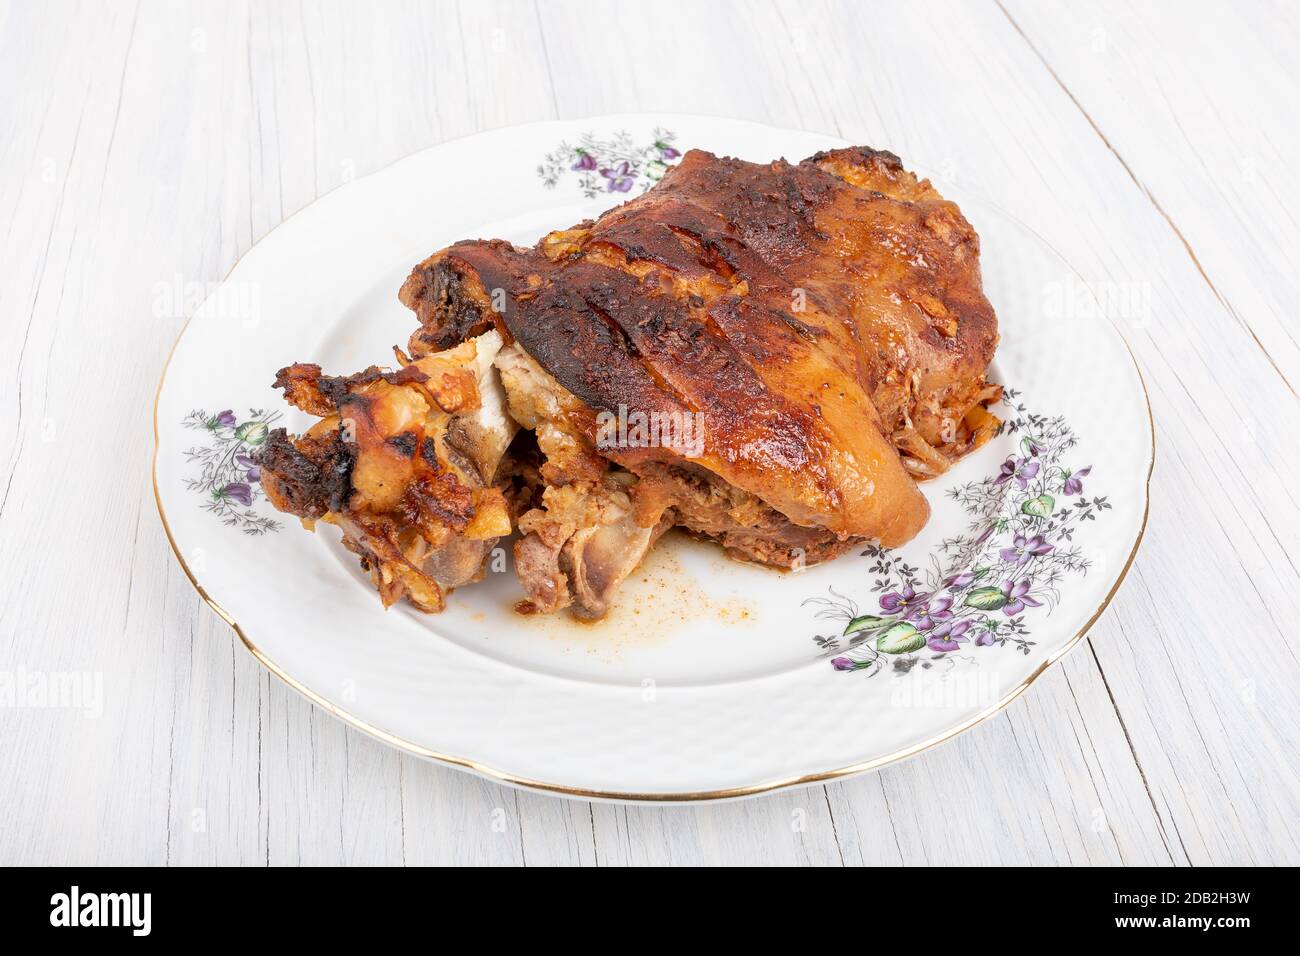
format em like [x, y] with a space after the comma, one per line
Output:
[1154, 144]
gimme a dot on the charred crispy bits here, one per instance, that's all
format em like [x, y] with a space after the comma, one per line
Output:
[307, 477]
[405, 462]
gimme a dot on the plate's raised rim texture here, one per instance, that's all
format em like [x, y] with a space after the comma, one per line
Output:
[729, 793]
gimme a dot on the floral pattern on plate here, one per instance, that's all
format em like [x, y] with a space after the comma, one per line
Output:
[229, 480]
[613, 165]
[981, 586]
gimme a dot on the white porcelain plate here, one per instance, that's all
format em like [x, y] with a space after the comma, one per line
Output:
[711, 678]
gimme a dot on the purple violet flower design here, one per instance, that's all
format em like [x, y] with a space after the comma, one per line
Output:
[934, 613]
[1074, 481]
[1018, 548]
[1021, 469]
[252, 473]
[620, 177]
[625, 164]
[906, 601]
[948, 636]
[238, 491]
[1017, 594]
[226, 472]
[1025, 549]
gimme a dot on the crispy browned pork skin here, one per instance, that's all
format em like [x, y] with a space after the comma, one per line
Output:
[822, 323]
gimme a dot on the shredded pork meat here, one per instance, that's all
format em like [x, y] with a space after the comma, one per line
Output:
[406, 463]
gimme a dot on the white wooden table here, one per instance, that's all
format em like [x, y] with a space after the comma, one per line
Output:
[1154, 143]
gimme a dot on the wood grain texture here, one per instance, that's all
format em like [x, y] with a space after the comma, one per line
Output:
[141, 142]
